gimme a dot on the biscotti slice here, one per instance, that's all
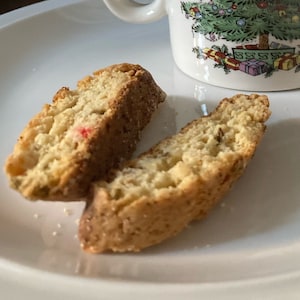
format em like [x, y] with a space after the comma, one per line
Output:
[83, 133]
[156, 195]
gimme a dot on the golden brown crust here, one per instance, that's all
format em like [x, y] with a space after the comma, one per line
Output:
[131, 223]
[109, 138]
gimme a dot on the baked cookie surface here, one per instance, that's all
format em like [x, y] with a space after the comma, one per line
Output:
[155, 196]
[83, 133]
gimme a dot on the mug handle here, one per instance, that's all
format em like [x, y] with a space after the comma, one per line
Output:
[133, 12]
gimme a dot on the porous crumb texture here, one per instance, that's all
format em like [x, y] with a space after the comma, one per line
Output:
[83, 133]
[179, 180]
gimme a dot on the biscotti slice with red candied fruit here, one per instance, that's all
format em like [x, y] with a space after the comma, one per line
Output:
[156, 195]
[83, 133]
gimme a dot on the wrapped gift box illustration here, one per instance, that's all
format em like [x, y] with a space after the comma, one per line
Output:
[287, 61]
[253, 67]
[249, 47]
[275, 45]
[214, 54]
[232, 63]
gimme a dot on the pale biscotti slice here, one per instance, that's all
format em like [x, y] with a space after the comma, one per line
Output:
[179, 180]
[83, 133]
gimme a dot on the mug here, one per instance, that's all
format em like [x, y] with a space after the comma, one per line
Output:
[244, 45]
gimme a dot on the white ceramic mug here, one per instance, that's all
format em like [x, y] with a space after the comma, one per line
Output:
[232, 44]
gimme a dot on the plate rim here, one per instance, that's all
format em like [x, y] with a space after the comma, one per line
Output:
[267, 284]
[24, 13]
[29, 11]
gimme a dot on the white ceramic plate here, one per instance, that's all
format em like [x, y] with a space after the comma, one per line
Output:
[249, 246]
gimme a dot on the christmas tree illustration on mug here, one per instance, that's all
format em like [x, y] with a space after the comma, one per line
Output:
[273, 25]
